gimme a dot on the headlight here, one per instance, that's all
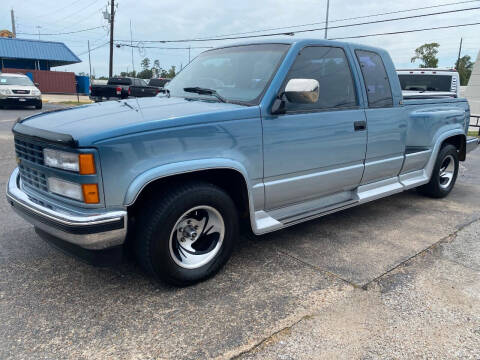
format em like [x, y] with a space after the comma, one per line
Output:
[61, 159]
[5, 92]
[65, 188]
[88, 193]
[81, 163]
[36, 92]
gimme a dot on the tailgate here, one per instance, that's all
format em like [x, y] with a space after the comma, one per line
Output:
[104, 90]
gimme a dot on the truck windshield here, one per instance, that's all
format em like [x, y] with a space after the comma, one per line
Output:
[15, 80]
[426, 82]
[237, 74]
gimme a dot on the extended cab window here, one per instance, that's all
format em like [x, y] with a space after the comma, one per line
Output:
[330, 67]
[375, 77]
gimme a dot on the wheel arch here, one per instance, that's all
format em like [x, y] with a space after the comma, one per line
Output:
[227, 175]
[460, 142]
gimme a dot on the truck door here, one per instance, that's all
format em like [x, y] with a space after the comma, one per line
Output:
[385, 117]
[316, 151]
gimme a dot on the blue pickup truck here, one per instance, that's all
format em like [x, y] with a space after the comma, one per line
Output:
[268, 133]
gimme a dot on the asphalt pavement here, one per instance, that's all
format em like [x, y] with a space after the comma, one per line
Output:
[395, 278]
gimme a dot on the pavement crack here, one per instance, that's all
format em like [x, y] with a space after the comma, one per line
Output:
[318, 268]
[449, 238]
[265, 340]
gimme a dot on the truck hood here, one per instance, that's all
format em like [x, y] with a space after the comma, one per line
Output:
[89, 124]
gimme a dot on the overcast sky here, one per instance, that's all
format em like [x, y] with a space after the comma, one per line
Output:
[168, 19]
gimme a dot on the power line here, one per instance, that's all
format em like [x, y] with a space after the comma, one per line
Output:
[95, 48]
[164, 48]
[406, 31]
[65, 33]
[219, 38]
[344, 19]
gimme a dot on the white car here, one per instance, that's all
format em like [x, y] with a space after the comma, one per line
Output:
[428, 82]
[18, 90]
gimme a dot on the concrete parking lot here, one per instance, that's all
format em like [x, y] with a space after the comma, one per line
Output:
[395, 278]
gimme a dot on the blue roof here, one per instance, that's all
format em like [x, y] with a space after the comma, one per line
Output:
[57, 53]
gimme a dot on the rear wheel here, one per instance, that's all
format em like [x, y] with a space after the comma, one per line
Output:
[188, 234]
[444, 173]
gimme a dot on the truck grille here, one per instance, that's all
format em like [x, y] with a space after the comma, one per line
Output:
[33, 178]
[29, 151]
[33, 153]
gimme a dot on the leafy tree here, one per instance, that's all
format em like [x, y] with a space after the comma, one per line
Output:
[427, 53]
[156, 69]
[145, 64]
[464, 67]
[171, 73]
[145, 74]
[128, 74]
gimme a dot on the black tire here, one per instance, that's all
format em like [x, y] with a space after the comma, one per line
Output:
[435, 188]
[155, 227]
[38, 105]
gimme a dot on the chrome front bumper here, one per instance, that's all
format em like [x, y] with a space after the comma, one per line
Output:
[90, 231]
[472, 144]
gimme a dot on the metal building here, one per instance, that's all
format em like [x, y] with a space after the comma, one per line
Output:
[35, 58]
[34, 54]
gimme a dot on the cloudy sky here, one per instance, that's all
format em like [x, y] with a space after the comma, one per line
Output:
[173, 20]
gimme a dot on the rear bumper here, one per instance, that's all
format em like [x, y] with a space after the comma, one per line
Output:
[90, 231]
[472, 144]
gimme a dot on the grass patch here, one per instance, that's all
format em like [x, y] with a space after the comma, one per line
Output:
[73, 103]
[473, 133]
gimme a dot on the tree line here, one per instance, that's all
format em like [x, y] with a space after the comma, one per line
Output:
[427, 54]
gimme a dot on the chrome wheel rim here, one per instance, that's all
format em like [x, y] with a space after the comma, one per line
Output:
[447, 169]
[197, 237]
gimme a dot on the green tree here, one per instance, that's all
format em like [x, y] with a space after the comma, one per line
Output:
[427, 53]
[464, 67]
[145, 64]
[145, 74]
[171, 73]
[156, 69]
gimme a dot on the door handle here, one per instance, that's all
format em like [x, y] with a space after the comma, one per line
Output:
[360, 125]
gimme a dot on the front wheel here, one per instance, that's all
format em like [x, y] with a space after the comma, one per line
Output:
[187, 235]
[38, 105]
[444, 173]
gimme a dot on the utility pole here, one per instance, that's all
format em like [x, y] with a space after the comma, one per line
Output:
[459, 54]
[89, 61]
[38, 28]
[131, 45]
[112, 20]
[189, 53]
[326, 20]
[14, 32]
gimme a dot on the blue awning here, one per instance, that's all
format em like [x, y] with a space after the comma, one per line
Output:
[56, 53]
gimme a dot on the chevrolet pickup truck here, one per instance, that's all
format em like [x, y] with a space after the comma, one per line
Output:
[266, 133]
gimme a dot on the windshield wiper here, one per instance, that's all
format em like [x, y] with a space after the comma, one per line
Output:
[205, 91]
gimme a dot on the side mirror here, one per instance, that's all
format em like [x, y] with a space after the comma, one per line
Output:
[303, 91]
[36, 84]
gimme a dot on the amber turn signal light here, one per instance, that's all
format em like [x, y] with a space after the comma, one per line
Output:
[90, 193]
[86, 164]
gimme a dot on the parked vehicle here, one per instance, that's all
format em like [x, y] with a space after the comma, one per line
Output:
[271, 133]
[122, 88]
[428, 82]
[158, 83]
[19, 90]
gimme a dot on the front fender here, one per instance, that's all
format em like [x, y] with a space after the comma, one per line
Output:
[142, 180]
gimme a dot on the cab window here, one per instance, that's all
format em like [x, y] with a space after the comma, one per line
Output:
[330, 67]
